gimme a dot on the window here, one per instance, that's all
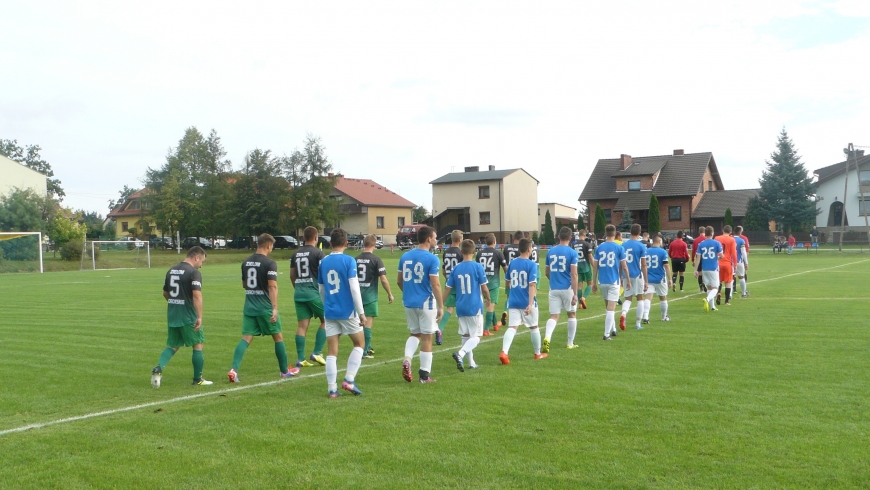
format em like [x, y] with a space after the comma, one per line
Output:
[484, 218]
[607, 216]
[460, 219]
[634, 185]
[864, 207]
[401, 221]
[864, 177]
[483, 192]
[379, 221]
[133, 205]
[709, 185]
[123, 226]
[675, 213]
[539, 211]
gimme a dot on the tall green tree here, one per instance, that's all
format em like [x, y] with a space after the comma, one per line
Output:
[92, 221]
[786, 187]
[581, 220]
[307, 172]
[259, 194]
[655, 220]
[547, 236]
[729, 218]
[625, 224]
[420, 214]
[63, 229]
[756, 217]
[123, 194]
[29, 157]
[600, 221]
[22, 210]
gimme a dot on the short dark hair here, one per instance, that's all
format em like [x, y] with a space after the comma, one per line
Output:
[708, 231]
[196, 251]
[525, 245]
[467, 247]
[727, 229]
[309, 234]
[582, 232]
[265, 239]
[739, 230]
[370, 241]
[424, 233]
[610, 230]
[680, 234]
[490, 239]
[518, 236]
[338, 238]
[635, 229]
[565, 233]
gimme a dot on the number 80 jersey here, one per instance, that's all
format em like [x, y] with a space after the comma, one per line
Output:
[257, 271]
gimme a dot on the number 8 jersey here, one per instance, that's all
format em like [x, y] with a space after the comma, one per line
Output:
[257, 271]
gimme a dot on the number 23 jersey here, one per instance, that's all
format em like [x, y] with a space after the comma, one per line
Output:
[257, 271]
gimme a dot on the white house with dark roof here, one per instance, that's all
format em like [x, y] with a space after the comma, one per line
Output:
[489, 201]
[839, 205]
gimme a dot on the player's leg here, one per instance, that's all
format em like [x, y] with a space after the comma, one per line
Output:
[626, 303]
[354, 332]
[663, 306]
[303, 317]
[174, 341]
[412, 316]
[572, 328]
[195, 339]
[681, 280]
[556, 305]
[514, 320]
[320, 339]
[371, 312]
[494, 295]
[332, 339]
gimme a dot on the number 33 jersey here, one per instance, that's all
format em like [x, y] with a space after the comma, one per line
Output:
[181, 281]
[257, 271]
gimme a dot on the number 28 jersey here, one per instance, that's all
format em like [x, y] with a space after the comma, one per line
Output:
[306, 261]
[417, 266]
[521, 273]
[609, 256]
[257, 271]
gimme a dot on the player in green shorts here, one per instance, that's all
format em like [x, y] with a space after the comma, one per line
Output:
[260, 281]
[584, 250]
[449, 259]
[304, 264]
[182, 290]
[493, 263]
[370, 269]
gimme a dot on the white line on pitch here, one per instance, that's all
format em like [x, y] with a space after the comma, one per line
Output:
[306, 376]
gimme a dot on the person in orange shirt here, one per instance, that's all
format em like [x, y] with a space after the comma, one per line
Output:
[726, 263]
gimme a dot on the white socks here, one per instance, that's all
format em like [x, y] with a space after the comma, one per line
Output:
[331, 373]
[551, 325]
[468, 346]
[411, 347]
[509, 338]
[639, 312]
[664, 307]
[353, 363]
[609, 322]
[711, 295]
[626, 305]
[646, 304]
[426, 361]
[536, 339]
[572, 330]
[743, 286]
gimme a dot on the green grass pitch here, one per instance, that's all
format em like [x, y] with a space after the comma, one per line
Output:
[771, 392]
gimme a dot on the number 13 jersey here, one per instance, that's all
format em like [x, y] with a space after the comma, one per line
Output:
[306, 261]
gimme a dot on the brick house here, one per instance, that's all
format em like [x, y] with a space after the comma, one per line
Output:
[711, 210]
[679, 182]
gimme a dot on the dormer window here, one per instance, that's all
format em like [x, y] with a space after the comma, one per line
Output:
[634, 185]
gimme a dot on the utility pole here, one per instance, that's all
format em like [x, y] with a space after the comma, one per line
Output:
[845, 193]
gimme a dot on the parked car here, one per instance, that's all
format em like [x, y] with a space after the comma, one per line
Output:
[323, 241]
[218, 242]
[193, 241]
[131, 243]
[286, 241]
[408, 233]
[243, 242]
[162, 243]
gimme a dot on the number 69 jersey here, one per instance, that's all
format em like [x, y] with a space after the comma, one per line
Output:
[257, 271]
[416, 267]
[181, 281]
[608, 256]
[521, 272]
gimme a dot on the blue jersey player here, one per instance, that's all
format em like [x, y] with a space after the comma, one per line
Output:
[607, 264]
[343, 309]
[521, 281]
[708, 255]
[660, 281]
[421, 288]
[635, 284]
[469, 283]
[561, 270]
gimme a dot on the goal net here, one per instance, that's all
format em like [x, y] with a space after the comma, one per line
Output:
[103, 255]
[21, 251]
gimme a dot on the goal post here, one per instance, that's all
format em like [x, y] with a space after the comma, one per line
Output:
[116, 254]
[21, 251]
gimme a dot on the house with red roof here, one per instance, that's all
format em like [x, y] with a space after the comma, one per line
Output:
[370, 208]
[133, 214]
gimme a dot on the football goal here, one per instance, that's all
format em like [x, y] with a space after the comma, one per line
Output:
[21, 251]
[121, 254]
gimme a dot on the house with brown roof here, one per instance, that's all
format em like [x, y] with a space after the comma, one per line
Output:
[370, 208]
[849, 208]
[134, 214]
[681, 182]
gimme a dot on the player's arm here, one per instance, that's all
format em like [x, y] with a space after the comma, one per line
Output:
[624, 264]
[197, 305]
[667, 266]
[272, 286]
[355, 293]
[594, 275]
[400, 282]
[645, 271]
[293, 274]
[386, 284]
[436, 290]
[574, 284]
[166, 295]
[533, 291]
[546, 268]
[484, 290]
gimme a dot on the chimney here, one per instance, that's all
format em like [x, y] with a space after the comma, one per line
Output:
[678, 152]
[472, 169]
[860, 153]
[492, 167]
[625, 161]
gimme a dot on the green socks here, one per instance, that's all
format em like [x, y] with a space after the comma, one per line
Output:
[367, 333]
[165, 356]
[443, 320]
[198, 363]
[281, 354]
[319, 342]
[300, 348]
[587, 291]
[241, 347]
[488, 320]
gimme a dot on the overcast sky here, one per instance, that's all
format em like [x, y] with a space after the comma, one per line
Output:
[404, 92]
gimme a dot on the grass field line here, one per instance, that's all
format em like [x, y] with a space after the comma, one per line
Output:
[113, 411]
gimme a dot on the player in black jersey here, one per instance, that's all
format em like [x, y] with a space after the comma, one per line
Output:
[449, 259]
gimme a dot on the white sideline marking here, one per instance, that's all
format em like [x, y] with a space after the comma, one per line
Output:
[76, 418]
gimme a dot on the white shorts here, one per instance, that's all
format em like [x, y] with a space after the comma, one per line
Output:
[471, 326]
[610, 292]
[711, 278]
[635, 288]
[517, 317]
[343, 327]
[421, 320]
[560, 300]
[740, 270]
[659, 289]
